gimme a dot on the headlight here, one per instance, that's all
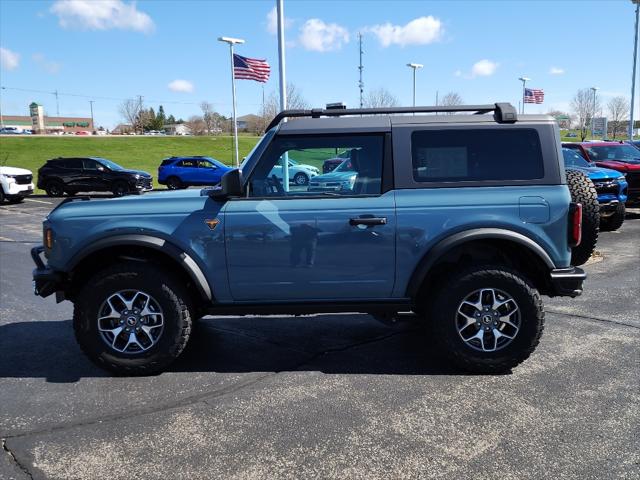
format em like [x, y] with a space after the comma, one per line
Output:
[10, 178]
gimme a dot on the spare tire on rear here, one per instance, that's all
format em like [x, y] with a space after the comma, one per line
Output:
[584, 192]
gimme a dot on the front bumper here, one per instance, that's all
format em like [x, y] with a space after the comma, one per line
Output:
[45, 280]
[19, 190]
[567, 282]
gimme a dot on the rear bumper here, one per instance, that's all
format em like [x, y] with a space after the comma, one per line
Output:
[567, 282]
[45, 280]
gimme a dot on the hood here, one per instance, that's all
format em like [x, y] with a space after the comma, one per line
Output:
[14, 171]
[334, 177]
[134, 172]
[180, 202]
[597, 173]
[620, 166]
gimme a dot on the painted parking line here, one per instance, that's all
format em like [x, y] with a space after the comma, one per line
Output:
[37, 201]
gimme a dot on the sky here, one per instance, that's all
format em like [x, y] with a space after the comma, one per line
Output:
[167, 51]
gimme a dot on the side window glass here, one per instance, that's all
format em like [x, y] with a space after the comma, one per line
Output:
[476, 155]
[298, 166]
[206, 164]
[89, 165]
[74, 164]
[188, 163]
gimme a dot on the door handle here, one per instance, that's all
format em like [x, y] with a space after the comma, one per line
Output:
[368, 221]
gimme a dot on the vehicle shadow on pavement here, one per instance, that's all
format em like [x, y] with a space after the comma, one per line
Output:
[337, 344]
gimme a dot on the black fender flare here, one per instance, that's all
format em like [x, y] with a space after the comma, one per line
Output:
[452, 241]
[153, 242]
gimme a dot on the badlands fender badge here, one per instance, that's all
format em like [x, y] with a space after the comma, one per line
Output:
[212, 223]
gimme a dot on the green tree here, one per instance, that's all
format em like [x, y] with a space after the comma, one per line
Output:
[161, 119]
[171, 120]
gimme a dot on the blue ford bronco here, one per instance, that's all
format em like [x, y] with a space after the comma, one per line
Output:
[463, 219]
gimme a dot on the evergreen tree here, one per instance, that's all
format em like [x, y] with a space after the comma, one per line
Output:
[161, 119]
[171, 120]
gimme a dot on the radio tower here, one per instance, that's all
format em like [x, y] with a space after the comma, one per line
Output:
[360, 67]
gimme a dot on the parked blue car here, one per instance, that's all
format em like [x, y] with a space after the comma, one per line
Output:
[611, 187]
[342, 178]
[181, 172]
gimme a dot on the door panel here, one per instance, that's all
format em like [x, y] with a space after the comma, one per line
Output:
[310, 248]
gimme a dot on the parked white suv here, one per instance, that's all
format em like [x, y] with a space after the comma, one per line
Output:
[15, 184]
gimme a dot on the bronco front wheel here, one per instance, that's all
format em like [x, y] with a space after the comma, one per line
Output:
[487, 319]
[132, 318]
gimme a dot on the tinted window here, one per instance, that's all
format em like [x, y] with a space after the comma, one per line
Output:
[90, 164]
[74, 163]
[188, 162]
[166, 162]
[303, 157]
[476, 155]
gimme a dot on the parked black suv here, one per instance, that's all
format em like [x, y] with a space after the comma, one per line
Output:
[91, 174]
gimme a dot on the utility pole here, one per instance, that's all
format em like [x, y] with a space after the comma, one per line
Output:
[633, 75]
[57, 103]
[93, 125]
[593, 112]
[360, 68]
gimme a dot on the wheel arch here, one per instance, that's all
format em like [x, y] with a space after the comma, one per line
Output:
[483, 244]
[138, 247]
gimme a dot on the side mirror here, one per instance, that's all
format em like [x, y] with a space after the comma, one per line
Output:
[101, 169]
[231, 185]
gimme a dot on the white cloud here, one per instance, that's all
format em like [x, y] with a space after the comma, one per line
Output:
[556, 71]
[419, 31]
[183, 86]
[318, 36]
[484, 68]
[101, 15]
[272, 21]
[47, 65]
[9, 60]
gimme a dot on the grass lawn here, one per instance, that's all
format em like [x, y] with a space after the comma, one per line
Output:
[140, 153]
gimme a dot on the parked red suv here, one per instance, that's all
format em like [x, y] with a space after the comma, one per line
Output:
[617, 156]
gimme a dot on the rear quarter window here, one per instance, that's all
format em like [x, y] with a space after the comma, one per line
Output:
[167, 162]
[453, 155]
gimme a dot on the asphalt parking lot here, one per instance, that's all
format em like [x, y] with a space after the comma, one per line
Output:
[326, 396]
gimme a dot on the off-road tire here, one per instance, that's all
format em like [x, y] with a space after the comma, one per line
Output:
[174, 183]
[615, 221]
[584, 192]
[1, 195]
[301, 179]
[54, 188]
[16, 199]
[120, 188]
[163, 287]
[443, 313]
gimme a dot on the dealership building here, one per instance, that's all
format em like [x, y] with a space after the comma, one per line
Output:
[38, 122]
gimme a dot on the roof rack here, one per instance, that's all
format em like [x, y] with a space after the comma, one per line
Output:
[503, 112]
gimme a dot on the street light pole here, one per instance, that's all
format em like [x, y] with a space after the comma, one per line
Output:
[232, 41]
[593, 113]
[633, 75]
[414, 66]
[93, 125]
[283, 85]
[524, 81]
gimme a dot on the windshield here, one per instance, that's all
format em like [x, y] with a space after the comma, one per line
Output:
[574, 159]
[345, 166]
[614, 152]
[109, 164]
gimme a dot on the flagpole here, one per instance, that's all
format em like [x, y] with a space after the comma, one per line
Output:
[524, 80]
[283, 85]
[231, 42]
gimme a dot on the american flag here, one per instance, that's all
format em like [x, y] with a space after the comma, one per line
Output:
[533, 95]
[250, 69]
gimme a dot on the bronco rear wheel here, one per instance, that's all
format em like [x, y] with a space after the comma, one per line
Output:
[132, 318]
[584, 192]
[487, 319]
